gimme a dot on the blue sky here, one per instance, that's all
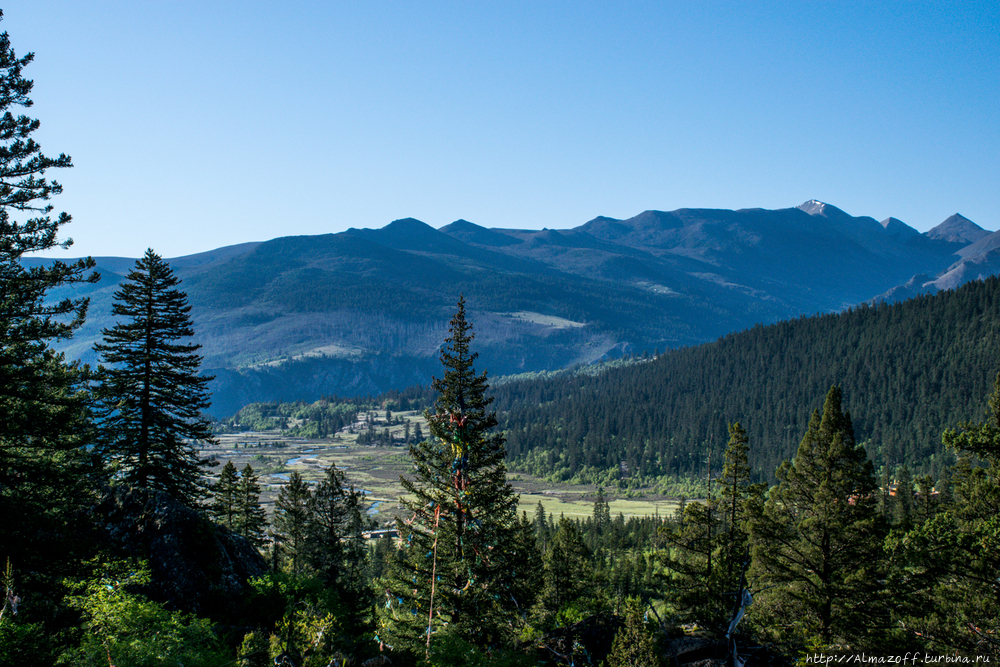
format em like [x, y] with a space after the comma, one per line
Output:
[195, 125]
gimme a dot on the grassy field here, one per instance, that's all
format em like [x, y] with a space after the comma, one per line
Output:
[376, 470]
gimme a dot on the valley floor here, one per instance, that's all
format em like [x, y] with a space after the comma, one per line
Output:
[376, 470]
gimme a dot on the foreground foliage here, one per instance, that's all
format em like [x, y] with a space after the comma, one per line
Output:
[948, 562]
[120, 626]
[45, 484]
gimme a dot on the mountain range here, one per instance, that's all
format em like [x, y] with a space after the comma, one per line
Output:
[366, 310]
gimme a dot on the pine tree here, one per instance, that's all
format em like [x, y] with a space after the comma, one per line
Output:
[903, 506]
[336, 552]
[251, 519]
[602, 511]
[634, 645]
[334, 531]
[529, 580]
[694, 583]
[292, 516]
[706, 547]
[151, 396]
[817, 542]
[225, 497]
[541, 527]
[44, 426]
[739, 496]
[457, 567]
[568, 575]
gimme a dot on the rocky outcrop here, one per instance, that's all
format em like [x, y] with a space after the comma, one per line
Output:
[196, 565]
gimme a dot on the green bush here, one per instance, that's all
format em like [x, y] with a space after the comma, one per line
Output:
[124, 628]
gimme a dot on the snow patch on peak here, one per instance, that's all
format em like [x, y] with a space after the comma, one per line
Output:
[816, 207]
[813, 207]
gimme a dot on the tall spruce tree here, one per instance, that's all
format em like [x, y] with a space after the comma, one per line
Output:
[816, 543]
[151, 396]
[568, 574]
[334, 531]
[602, 511]
[738, 497]
[292, 516]
[706, 546]
[225, 497]
[336, 551]
[459, 563]
[251, 519]
[43, 417]
[541, 526]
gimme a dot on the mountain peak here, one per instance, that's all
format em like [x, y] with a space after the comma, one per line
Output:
[407, 225]
[816, 207]
[958, 229]
[470, 232]
[896, 227]
[404, 234]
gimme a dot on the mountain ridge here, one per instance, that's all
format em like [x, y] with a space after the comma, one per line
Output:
[362, 307]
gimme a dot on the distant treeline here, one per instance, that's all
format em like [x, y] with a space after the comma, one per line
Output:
[324, 417]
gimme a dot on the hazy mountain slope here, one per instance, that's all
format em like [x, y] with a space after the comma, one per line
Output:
[809, 259]
[974, 261]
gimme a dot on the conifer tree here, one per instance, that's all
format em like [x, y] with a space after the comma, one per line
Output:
[706, 547]
[151, 397]
[927, 503]
[527, 586]
[335, 548]
[225, 497]
[43, 420]
[903, 506]
[739, 496]
[251, 517]
[458, 564]
[634, 645]
[292, 515]
[817, 542]
[693, 581]
[541, 527]
[567, 570]
[334, 531]
[602, 511]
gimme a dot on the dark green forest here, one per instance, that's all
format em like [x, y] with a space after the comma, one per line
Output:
[906, 370]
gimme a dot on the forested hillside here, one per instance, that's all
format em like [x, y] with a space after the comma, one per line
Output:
[906, 370]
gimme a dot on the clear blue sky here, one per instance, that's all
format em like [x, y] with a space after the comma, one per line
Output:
[194, 125]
